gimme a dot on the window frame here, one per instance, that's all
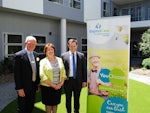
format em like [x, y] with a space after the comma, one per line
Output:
[106, 8]
[84, 45]
[72, 4]
[148, 10]
[5, 47]
[40, 44]
[57, 1]
[6, 44]
[135, 10]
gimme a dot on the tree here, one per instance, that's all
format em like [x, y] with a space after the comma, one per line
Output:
[144, 44]
[144, 47]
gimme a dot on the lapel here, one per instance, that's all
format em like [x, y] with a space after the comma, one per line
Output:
[35, 58]
[34, 54]
[77, 62]
[68, 57]
[25, 56]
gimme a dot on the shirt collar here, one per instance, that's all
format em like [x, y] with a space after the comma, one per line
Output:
[71, 53]
[28, 52]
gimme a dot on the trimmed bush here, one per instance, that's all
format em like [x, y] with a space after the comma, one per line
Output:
[146, 63]
[6, 66]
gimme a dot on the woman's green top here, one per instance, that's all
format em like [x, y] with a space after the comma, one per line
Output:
[46, 70]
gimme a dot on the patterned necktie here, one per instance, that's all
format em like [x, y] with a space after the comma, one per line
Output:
[33, 67]
[74, 66]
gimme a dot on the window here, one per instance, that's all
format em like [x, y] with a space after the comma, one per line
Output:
[41, 40]
[12, 44]
[135, 10]
[148, 13]
[84, 46]
[75, 4]
[106, 9]
[115, 12]
[135, 13]
[125, 11]
[57, 1]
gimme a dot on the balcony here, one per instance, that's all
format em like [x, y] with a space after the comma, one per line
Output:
[71, 10]
[138, 9]
[122, 2]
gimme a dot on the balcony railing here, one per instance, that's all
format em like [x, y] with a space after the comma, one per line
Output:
[137, 13]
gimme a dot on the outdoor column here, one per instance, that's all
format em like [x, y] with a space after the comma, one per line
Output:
[63, 36]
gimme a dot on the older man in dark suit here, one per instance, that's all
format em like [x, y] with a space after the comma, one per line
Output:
[26, 75]
[76, 71]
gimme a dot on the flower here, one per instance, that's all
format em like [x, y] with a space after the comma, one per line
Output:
[37, 59]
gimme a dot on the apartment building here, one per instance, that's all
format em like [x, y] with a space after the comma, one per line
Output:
[48, 20]
[140, 21]
[58, 20]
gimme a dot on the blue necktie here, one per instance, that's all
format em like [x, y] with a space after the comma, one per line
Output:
[74, 66]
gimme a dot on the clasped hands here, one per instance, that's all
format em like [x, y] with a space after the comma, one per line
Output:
[57, 86]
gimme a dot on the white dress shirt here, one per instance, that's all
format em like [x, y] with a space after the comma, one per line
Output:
[71, 66]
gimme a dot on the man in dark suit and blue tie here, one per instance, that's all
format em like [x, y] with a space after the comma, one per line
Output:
[76, 76]
[26, 75]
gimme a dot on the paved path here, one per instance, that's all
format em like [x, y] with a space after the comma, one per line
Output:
[141, 78]
[7, 94]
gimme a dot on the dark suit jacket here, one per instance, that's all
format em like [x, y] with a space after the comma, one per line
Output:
[81, 72]
[23, 71]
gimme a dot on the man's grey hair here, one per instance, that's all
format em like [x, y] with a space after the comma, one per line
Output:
[30, 38]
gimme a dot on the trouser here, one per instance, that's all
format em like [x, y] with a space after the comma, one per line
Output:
[26, 104]
[71, 86]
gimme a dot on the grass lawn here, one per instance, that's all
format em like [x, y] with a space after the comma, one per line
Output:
[138, 99]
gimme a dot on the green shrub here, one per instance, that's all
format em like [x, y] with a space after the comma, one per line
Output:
[146, 63]
[6, 66]
[132, 68]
